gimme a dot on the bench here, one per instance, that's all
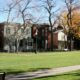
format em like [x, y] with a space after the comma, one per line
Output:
[2, 76]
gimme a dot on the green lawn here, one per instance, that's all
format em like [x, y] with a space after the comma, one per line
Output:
[16, 63]
[67, 76]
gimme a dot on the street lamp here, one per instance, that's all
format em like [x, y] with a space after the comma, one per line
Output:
[36, 40]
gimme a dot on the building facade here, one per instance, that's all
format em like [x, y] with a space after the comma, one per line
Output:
[35, 36]
[13, 37]
[43, 37]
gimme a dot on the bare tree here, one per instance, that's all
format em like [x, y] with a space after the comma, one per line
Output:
[49, 6]
[26, 14]
[23, 8]
[8, 9]
[23, 13]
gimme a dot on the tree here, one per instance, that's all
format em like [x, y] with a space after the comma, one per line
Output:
[69, 4]
[70, 20]
[9, 9]
[75, 22]
[49, 6]
[23, 12]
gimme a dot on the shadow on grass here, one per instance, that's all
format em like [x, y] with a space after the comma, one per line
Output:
[14, 71]
[37, 69]
[72, 75]
[11, 71]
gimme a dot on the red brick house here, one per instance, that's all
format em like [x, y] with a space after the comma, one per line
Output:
[44, 37]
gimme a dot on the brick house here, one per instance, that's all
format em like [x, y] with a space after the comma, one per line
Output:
[44, 37]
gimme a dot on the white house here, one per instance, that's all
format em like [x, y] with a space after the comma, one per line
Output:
[12, 34]
[61, 39]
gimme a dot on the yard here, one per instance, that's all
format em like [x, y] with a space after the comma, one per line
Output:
[17, 63]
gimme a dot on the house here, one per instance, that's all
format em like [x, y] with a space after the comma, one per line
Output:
[40, 36]
[43, 38]
[7, 37]
[26, 42]
[13, 38]
[61, 41]
[35, 36]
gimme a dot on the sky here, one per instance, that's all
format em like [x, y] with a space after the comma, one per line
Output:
[3, 3]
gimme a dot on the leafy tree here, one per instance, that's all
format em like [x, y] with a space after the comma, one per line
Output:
[73, 29]
[75, 22]
[69, 18]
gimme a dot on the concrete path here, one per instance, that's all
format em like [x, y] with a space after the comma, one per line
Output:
[42, 73]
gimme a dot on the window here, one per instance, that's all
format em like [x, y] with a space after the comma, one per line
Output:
[22, 30]
[8, 30]
[43, 32]
[29, 43]
[28, 31]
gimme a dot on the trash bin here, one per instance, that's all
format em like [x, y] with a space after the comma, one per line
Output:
[2, 76]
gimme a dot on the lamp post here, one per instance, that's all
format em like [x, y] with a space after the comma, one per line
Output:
[36, 41]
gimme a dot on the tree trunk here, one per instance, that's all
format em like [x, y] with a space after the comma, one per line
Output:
[17, 45]
[51, 32]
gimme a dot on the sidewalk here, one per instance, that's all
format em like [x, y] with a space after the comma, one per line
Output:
[42, 73]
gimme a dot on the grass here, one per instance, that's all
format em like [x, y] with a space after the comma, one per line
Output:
[67, 76]
[17, 63]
